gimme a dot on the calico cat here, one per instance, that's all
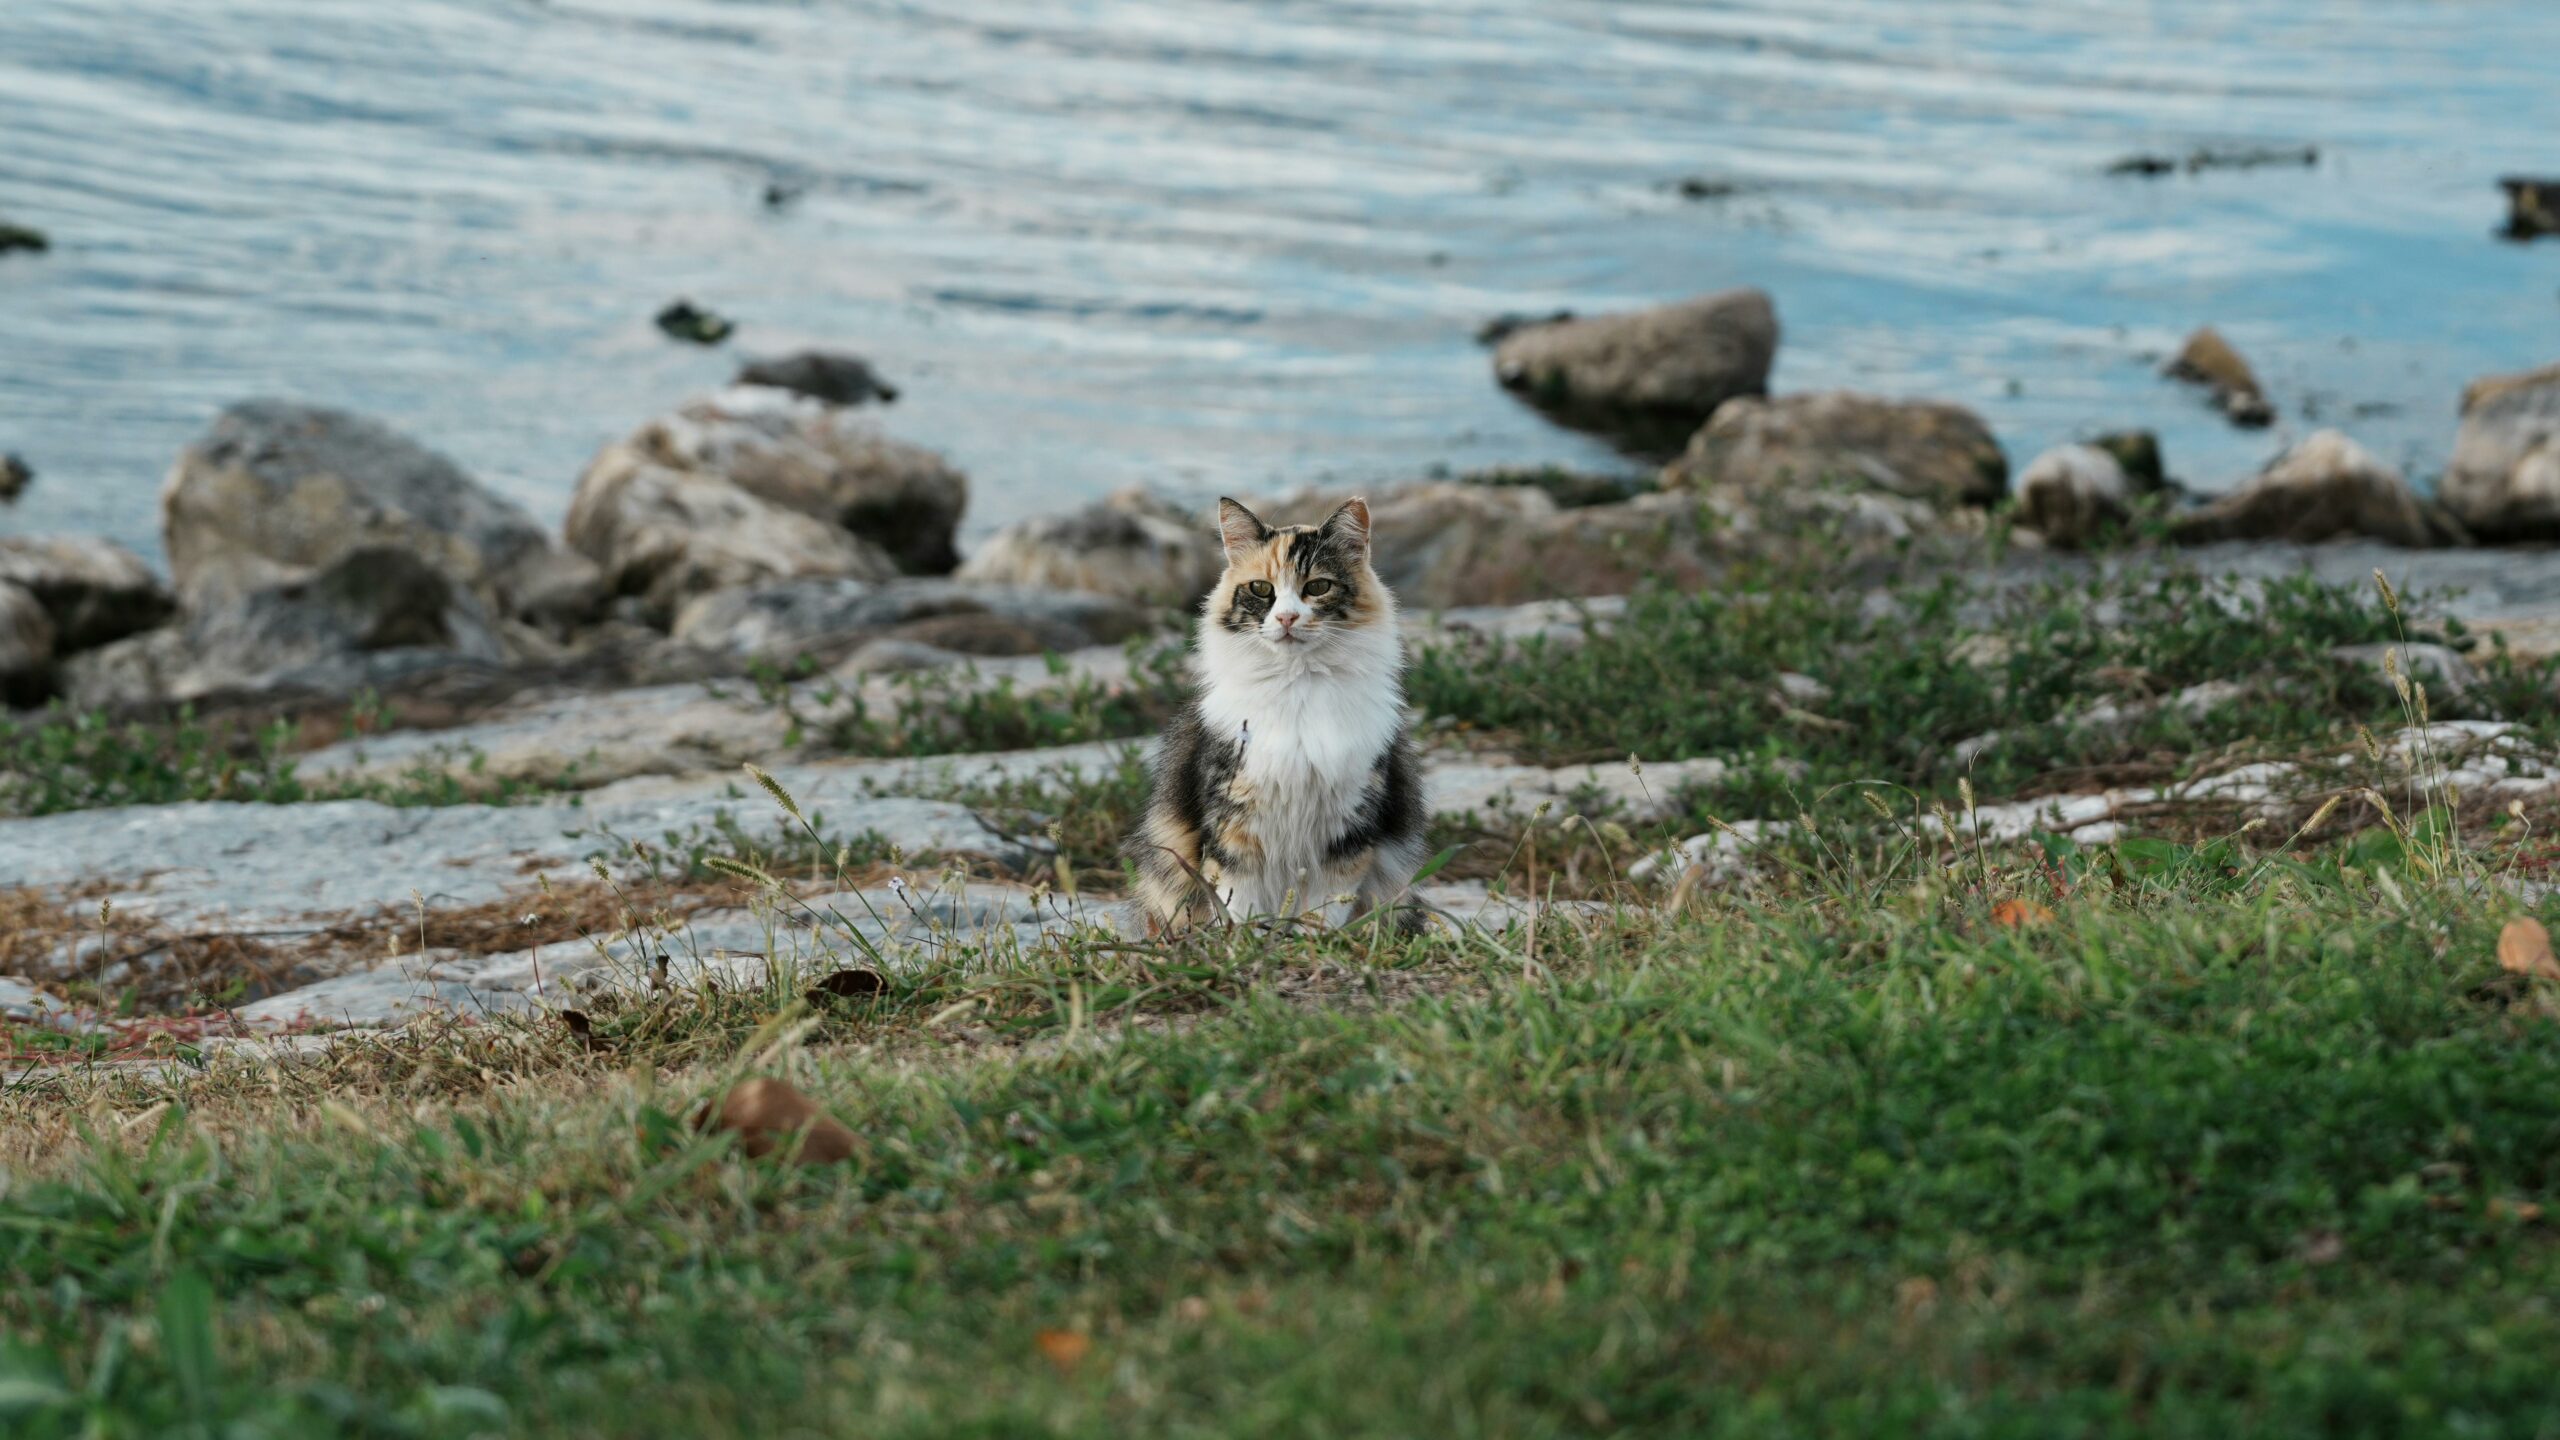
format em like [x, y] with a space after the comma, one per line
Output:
[1288, 785]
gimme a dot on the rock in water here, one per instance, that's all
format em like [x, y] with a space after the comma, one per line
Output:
[2504, 482]
[2208, 360]
[824, 375]
[1647, 378]
[22, 237]
[1132, 545]
[93, 590]
[2074, 494]
[2533, 207]
[26, 647]
[277, 492]
[15, 476]
[373, 617]
[2325, 488]
[683, 320]
[1921, 450]
[1511, 322]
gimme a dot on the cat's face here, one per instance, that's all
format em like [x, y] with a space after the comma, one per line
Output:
[1296, 588]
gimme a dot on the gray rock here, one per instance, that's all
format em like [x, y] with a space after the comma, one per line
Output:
[2074, 494]
[822, 461]
[836, 378]
[2533, 206]
[1131, 545]
[1646, 378]
[665, 534]
[26, 646]
[898, 657]
[370, 619]
[209, 864]
[2208, 360]
[1443, 544]
[23, 1002]
[898, 930]
[1458, 785]
[2325, 488]
[93, 590]
[276, 492]
[2504, 482]
[1917, 449]
[2440, 668]
[791, 616]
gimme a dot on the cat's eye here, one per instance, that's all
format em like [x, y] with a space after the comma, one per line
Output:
[1258, 589]
[1316, 588]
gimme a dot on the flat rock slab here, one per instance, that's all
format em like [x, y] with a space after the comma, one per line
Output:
[220, 865]
[595, 738]
[786, 948]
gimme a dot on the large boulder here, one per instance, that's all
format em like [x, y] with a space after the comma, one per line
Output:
[276, 492]
[1645, 378]
[790, 616]
[2504, 482]
[374, 617]
[666, 534]
[2075, 494]
[93, 590]
[1918, 449]
[1441, 545]
[2209, 360]
[2327, 487]
[26, 646]
[823, 461]
[1131, 545]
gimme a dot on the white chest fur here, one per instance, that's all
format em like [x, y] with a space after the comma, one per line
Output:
[1313, 728]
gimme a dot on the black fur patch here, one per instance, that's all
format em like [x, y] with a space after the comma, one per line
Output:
[1391, 807]
[1193, 774]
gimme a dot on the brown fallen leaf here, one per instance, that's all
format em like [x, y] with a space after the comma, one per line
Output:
[2525, 948]
[766, 1114]
[1064, 1349]
[852, 984]
[2019, 914]
[2523, 1212]
[581, 1028]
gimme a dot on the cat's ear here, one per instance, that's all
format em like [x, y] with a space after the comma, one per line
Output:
[1240, 528]
[1350, 524]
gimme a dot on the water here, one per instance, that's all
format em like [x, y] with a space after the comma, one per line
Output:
[1227, 244]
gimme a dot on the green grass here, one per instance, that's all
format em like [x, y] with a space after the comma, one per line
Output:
[63, 759]
[2204, 1155]
[1904, 683]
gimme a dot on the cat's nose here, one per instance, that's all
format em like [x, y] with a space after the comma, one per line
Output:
[1287, 621]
